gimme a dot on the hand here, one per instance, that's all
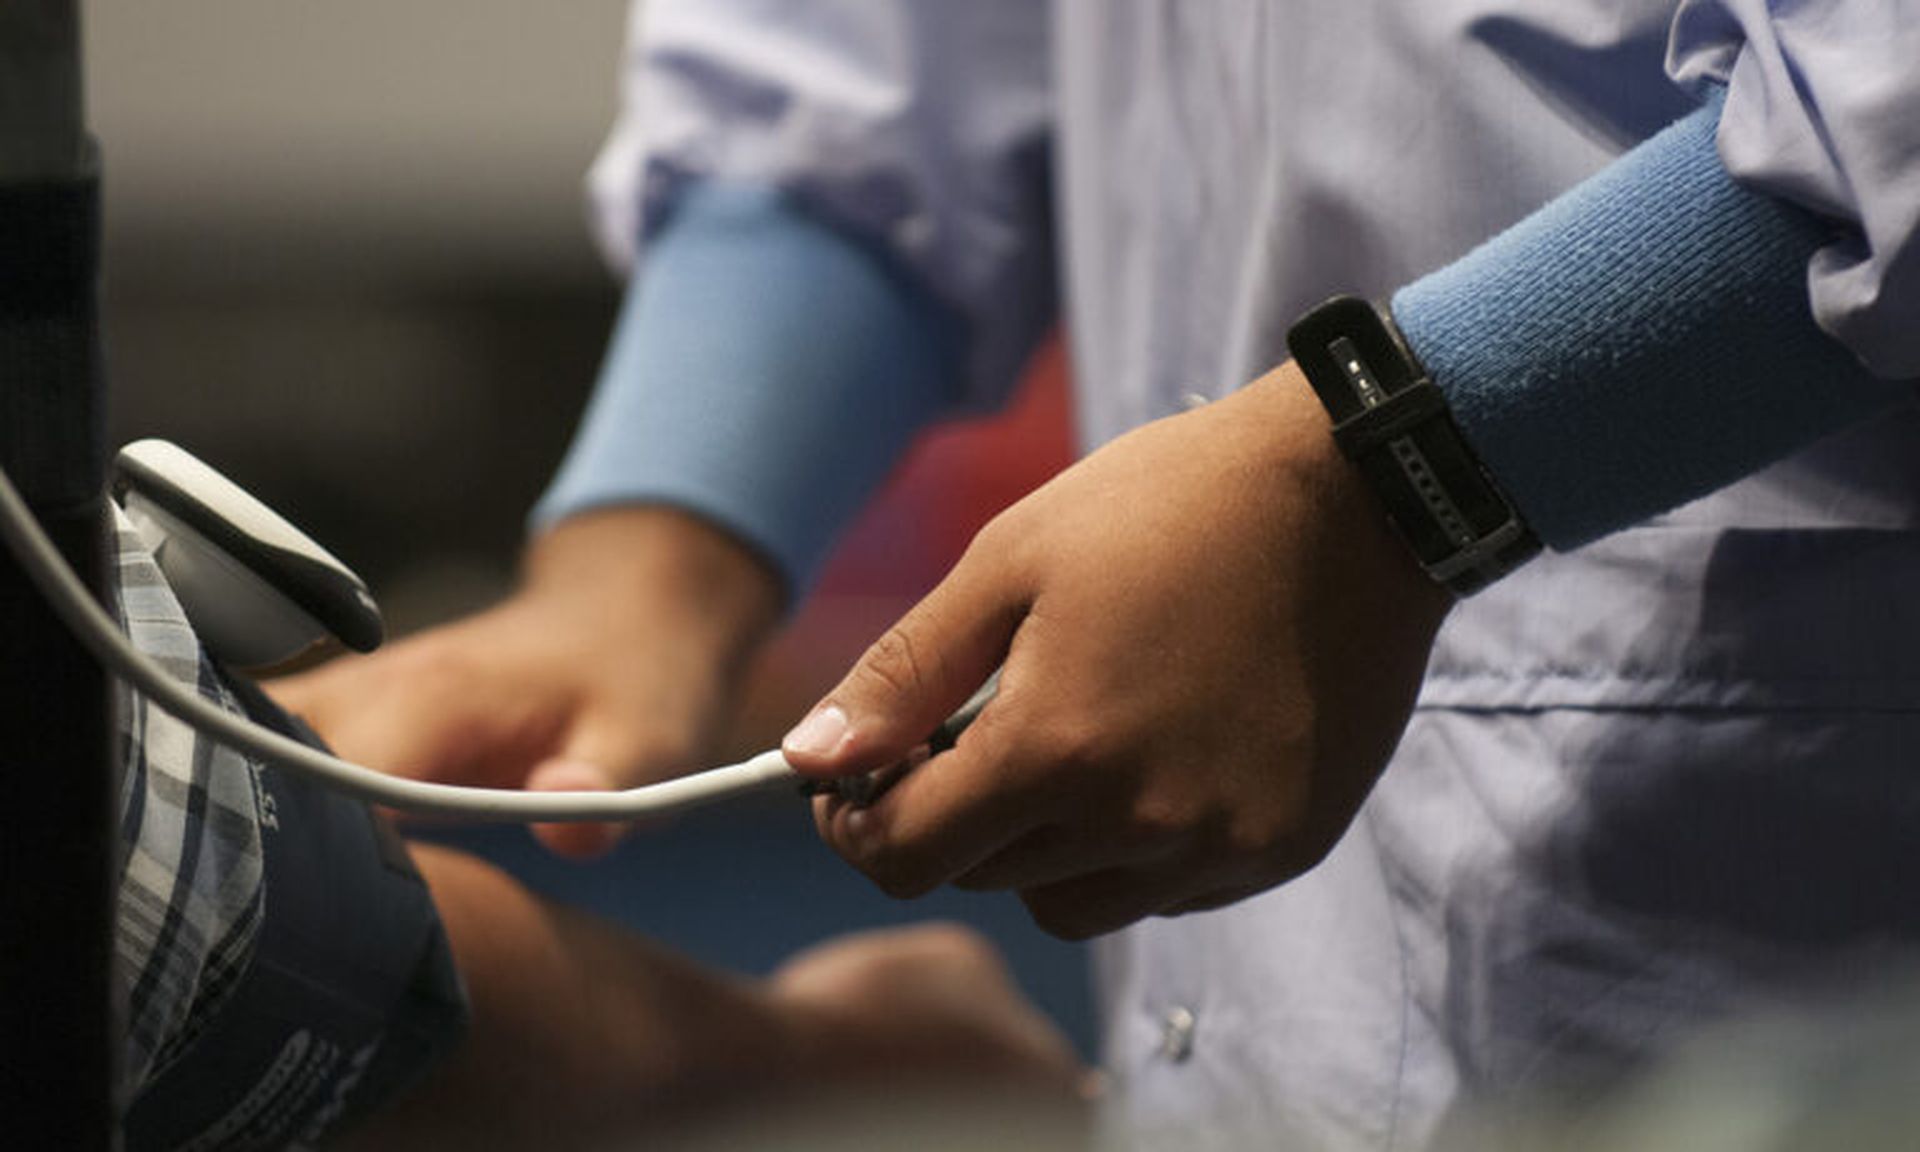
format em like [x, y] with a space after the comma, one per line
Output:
[1212, 640]
[931, 1002]
[612, 666]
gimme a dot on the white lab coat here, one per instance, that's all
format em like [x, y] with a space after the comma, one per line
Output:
[1649, 782]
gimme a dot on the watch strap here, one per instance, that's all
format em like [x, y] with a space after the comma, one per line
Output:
[1393, 423]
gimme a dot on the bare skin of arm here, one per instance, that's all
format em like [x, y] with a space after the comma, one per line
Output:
[584, 1034]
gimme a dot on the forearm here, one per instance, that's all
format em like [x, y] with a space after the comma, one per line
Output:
[586, 1036]
[580, 1032]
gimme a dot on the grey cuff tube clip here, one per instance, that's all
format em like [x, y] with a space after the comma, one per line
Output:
[1392, 421]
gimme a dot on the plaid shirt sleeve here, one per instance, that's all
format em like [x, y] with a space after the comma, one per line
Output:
[191, 896]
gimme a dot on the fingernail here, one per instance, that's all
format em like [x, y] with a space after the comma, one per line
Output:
[820, 734]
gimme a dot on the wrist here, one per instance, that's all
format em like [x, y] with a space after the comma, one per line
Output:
[636, 569]
[1347, 520]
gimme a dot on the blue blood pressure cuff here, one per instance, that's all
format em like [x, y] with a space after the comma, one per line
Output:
[349, 995]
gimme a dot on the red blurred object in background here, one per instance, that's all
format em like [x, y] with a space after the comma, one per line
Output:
[951, 483]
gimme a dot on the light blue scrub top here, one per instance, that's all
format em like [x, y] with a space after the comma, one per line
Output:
[1653, 779]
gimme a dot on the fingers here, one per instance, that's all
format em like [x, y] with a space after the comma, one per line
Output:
[940, 828]
[1046, 856]
[529, 694]
[941, 820]
[1074, 887]
[910, 680]
[357, 705]
[1004, 808]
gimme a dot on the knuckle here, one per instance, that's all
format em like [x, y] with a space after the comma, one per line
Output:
[1255, 832]
[1236, 838]
[995, 539]
[893, 662]
[1002, 551]
[1161, 820]
[1074, 745]
[901, 873]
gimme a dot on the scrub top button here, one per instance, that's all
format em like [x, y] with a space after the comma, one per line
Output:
[1176, 1035]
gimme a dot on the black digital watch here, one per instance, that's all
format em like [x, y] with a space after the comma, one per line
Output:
[1392, 422]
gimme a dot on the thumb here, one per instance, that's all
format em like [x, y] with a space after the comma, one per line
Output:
[611, 745]
[577, 841]
[911, 679]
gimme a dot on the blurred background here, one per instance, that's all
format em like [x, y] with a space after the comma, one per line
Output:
[347, 265]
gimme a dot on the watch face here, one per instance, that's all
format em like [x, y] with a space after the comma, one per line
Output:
[1359, 377]
[1349, 354]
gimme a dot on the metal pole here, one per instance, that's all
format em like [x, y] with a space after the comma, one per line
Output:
[58, 775]
[41, 122]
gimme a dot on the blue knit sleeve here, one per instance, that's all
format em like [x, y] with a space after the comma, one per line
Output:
[765, 373]
[1638, 342]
